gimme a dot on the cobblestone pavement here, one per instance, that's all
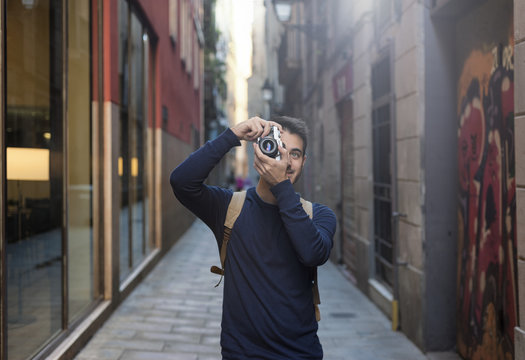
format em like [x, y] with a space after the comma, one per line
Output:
[175, 314]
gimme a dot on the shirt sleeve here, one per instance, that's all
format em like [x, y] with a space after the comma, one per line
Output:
[209, 203]
[312, 239]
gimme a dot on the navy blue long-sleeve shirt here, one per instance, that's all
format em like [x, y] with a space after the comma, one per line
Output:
[268, 310]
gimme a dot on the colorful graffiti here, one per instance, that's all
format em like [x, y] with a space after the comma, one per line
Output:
[487, 303]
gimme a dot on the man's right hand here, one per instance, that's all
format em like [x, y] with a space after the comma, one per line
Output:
[254, 128]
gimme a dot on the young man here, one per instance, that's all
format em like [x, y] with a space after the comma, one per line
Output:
[274, 247]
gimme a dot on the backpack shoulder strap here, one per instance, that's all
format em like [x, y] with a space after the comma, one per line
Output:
[308, 208]
[234, 209]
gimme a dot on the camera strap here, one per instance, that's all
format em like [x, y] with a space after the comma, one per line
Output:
[233, 212]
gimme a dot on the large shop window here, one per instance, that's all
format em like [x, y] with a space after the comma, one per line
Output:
[49, 222]
[135, 141]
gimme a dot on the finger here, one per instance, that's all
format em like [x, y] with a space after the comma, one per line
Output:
[258, 153]
[273, 123]
[257, 164]
[255, 130]
[258, 169]
[267, 128]
[260, 130]
[283, 152]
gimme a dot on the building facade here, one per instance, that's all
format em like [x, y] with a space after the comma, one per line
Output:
[519, 131]
[100, 101]
[265, 93]
[234, 21]
[415, 125]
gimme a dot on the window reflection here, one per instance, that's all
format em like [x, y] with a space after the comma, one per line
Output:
[136, 140]
[134, 131]
[124, 171]
[35, 178]
[34, 202]
[80, 237]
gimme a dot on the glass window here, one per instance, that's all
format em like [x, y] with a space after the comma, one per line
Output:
[36, 133]
[135, 141]
[79, 180]
[34, 140]
[124, 158]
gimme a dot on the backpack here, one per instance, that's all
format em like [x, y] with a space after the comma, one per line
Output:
[234, 210]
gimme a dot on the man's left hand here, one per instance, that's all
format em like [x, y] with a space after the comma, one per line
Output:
[271, 170]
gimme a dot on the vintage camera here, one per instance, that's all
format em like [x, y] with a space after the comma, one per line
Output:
[269, 144]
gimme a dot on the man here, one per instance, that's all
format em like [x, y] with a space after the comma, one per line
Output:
[274, 247]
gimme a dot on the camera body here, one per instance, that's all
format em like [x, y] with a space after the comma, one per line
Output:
[269, 144]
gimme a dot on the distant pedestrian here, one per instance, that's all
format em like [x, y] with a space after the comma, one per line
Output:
[239, 183]
[274, 247]
[247, 183]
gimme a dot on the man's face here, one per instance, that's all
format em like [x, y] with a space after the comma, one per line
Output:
[294, 145]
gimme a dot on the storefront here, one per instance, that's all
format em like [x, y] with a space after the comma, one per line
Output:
[82, 148]
[50, 256]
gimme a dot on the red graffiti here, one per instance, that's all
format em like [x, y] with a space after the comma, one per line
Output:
[487, 265]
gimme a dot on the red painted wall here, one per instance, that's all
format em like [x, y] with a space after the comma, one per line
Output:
[173, 85]
[175, 88]
[110, 14]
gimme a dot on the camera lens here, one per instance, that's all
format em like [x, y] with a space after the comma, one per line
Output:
[269, 147]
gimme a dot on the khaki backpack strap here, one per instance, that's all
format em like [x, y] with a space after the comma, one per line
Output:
[308, 208]
[234, 209]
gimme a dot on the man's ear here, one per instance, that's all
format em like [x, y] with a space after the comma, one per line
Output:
[304, 160]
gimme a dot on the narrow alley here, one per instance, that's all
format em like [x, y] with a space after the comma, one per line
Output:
[408, 120]
[175, 314]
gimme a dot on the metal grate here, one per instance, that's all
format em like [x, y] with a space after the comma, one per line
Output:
[381, 137]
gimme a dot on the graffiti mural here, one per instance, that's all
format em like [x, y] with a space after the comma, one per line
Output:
[487, 299]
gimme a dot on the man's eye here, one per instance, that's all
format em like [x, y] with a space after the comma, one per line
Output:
[295, 155]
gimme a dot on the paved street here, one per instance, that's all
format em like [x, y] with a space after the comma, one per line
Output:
[175, 314]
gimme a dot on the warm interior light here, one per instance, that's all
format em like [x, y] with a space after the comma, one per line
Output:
[27, 164]
[120, 166]
[134, 167]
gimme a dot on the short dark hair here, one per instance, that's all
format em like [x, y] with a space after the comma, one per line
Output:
[294, 126]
